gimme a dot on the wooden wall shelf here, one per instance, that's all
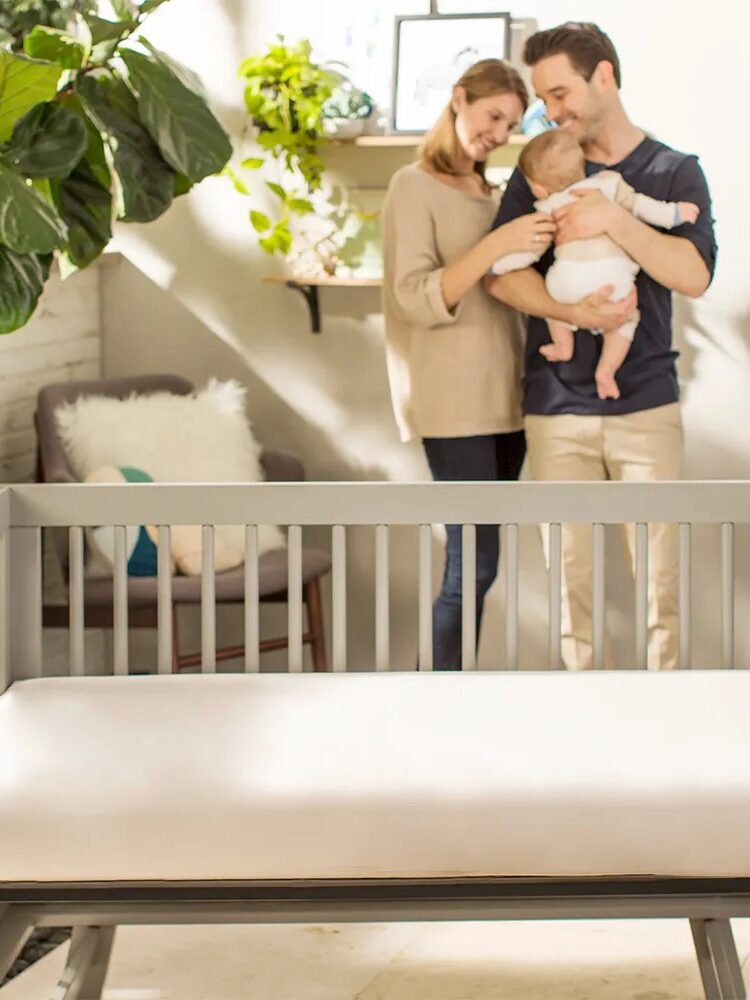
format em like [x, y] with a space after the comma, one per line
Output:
[308, 287]
[406, 140]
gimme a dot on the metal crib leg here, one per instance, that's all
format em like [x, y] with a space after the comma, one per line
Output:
[16, 924]
[88, 960]
[718, 962]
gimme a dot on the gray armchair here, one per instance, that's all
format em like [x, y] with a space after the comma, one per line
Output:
[53, 467]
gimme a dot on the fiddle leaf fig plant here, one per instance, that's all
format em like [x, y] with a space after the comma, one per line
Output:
[95, 125]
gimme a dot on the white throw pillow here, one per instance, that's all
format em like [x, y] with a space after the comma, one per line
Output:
[201, 438]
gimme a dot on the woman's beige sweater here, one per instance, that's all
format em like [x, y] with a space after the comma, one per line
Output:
[452, 374]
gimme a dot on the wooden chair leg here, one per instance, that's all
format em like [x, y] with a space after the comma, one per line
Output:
[315, 626]
[175, 642]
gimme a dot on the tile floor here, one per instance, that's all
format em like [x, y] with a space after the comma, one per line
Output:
[541, 960]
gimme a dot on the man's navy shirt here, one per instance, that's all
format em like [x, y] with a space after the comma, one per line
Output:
[648, 376]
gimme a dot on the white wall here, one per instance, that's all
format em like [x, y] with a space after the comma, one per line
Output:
[60, 344]
[326, 397]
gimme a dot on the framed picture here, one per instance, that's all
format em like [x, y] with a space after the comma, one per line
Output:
[431, 52]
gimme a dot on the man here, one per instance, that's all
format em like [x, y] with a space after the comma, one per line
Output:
[571, 433]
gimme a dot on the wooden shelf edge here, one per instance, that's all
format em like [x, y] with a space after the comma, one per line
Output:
[407, 140]
[276, 279]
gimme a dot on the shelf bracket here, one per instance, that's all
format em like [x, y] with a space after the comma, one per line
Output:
[310, 293]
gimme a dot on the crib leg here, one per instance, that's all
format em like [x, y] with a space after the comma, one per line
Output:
[16, 924]
[717, 959]
[88, 960]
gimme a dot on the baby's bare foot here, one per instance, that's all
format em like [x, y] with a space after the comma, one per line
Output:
[606, 386]
[556, 352]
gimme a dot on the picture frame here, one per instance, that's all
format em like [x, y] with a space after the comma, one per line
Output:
[431, 52]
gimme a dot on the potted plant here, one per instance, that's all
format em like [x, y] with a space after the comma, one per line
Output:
[292, 101]
[94, 126]
[346, 111]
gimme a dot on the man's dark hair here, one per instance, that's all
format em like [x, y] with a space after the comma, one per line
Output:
[585, 44]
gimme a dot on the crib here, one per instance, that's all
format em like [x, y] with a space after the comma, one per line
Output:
[375, 791]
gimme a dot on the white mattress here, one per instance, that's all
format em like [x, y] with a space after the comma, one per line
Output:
[367, 776]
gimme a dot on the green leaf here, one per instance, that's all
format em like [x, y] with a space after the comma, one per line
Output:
[252, 163]
[148, 5]
[47, 142]
[146, 182]
[300, 205]
[125, 10]
[22, 278]
[269, 244]
[239, 184]
[283, 238]
[43, 187]
[94, 152]
[28, 224]
[260, 222]
[190, 139]
[187, 77]
[277, 189]
[54, 46]
[105, 37]
[182, 185]
[23, 83]
[86, 208]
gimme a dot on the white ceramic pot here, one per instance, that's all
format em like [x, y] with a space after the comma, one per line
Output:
[344, 128]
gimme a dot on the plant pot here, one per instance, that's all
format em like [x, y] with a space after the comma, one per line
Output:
[344, 128]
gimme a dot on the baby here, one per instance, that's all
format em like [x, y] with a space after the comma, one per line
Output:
[553, 164]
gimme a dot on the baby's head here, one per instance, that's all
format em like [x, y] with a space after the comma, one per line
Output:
[552, 161]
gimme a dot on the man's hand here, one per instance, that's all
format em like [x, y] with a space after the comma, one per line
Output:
[596, 312]
[592, 215]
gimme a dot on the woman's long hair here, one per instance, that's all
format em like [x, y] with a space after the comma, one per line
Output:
[485, 78]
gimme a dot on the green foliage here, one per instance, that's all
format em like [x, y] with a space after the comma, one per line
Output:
[18, 18]
[347, 101]
[78, 149]
[285, 93]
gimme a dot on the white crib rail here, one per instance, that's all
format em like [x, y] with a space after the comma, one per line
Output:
[24, 510]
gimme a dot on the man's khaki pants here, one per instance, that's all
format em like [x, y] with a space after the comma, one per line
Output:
[638, 447]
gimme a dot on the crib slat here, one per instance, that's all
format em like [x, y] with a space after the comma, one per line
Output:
[294, 541]
[468, 597]
[164, 600]
[338, 587]
[685, 592]
[555, 595]
[120, 602]
[425, 597]
[510, 555]
[641, 596]
[26, 602]
[252, 600]
[208, 601]
[75, 601]
[727, 595]
[598, 609]
[382, 599]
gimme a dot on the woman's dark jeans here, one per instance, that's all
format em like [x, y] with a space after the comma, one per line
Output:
[483, 457]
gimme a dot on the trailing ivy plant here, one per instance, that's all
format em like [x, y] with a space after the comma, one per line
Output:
[94, 126]
[285, 94]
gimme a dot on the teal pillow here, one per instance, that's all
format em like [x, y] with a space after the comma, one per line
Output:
[139, 544]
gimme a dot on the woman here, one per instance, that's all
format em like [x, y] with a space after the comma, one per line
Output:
[453, 352]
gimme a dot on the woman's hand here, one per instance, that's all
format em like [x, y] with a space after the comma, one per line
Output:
[527, 234]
